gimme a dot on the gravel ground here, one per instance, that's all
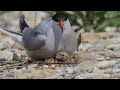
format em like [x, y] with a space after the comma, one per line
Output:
[99, 60]
[98, 56]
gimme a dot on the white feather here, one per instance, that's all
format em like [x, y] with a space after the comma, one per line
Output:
[13, 34]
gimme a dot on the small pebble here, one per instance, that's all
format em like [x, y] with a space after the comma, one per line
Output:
[79, 77]
[45, 67]
[69, 70]
[105, 64]
[52, 66]
[101, 59]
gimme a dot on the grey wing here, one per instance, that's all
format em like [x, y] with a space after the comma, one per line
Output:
[44, 26]
[72, 38]
[70, 43]
[40, 36]
[69, 39]
[33, 40]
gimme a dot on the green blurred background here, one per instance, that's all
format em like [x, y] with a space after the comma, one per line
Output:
[88, 20]
[94, 20]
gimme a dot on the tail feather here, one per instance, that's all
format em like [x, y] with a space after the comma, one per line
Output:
[16, 35]
[22, 23]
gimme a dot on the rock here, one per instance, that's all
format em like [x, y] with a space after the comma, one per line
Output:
[108, 71]
[115, 70]
[15, 57]
[7, 42]
[93, 76]
[27, 71]
[86, 66]
[59, 71]
[114, 47]
[17, 45]
[110, 29]
[10, 75]
[107, 58]
[36, 74]
[30, 68]
[69, 70]
[27, 58]
[116, 54]
[60, 77]
[105, 53]
[49, 72]
[33, 65]
[81, 47]
[96, 47]
[103, 58]
[25, 76]
[23, 68]
[98, 71]
[2, 46]
[78, 77]
[37, 71]
[45, 66]
[52, 66]
[108, 55]
[17, 71]
[105, 64]
[106, 35]
[39, 76]
[6, 56]
[54, 76]
[39, 67]
[84, 46]
[68, 76]
[91, 37]
[100, 58]
[116, 75]
[117, 65]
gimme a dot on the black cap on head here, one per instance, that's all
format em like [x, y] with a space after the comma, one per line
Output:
[59, 16]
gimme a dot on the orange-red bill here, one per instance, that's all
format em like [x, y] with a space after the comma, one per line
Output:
[61, 25]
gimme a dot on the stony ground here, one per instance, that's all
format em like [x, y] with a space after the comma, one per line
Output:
[98, 58]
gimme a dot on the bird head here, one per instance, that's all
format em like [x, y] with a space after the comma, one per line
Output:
[60, 17]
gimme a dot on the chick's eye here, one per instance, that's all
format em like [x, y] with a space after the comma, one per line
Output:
[73, 57]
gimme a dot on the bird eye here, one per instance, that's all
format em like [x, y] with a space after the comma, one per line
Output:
[73, 57]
